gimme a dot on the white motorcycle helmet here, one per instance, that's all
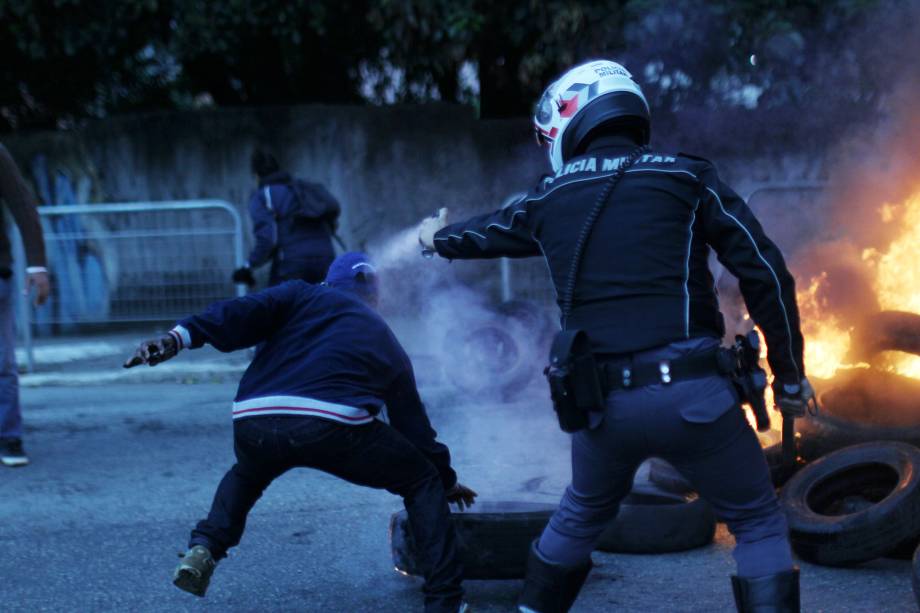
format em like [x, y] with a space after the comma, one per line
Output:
[583, 99]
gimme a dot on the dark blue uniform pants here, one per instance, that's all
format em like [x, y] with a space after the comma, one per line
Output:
[695, 425]
[374, 455]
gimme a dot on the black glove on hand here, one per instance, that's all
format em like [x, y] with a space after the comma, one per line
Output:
[794, 399]
[244, 275]
[154, 351]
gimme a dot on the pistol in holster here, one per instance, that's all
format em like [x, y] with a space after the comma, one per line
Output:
[574, 381]
[741, 362]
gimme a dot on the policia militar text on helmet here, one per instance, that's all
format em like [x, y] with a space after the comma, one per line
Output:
[626, 232]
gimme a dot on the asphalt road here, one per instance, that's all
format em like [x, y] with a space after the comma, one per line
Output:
[120, 472]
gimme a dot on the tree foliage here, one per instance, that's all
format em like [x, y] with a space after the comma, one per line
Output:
[68, 59]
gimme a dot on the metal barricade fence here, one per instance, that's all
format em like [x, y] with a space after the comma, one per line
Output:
[134, 262]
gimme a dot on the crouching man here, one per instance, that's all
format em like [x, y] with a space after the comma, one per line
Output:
[325, 367]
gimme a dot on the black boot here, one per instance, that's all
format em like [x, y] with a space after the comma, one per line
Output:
[777, 593]
[551, 588]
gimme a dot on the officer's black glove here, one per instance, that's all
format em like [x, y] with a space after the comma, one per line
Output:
[154, 351]
[794, 399]
[244, 275]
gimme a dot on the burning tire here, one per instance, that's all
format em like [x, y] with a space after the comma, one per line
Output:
[655, 521]
[856, 504]
[859, 406]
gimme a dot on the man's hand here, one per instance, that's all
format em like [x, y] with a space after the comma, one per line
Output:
[794, 399]
[461, 496]
[42, 284]
[244, 275]
[154, 351]
[430, 226]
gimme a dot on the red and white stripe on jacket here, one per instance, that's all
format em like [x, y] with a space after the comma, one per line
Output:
[286, 405]
[298, 405]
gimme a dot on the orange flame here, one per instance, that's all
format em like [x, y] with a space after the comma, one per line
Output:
[896, 274]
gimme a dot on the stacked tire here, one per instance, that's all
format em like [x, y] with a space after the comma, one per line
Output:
[493, 540]
[855, 504]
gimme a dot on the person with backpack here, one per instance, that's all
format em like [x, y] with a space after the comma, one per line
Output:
[294, 222]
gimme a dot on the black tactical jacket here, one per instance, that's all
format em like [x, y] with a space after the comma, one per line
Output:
[644, 279]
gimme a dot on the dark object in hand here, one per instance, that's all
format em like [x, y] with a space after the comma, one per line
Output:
[153, 352]
[244, 275]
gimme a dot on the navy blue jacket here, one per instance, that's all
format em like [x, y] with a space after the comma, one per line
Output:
[644, 279]
[297, 247]
[322, 353]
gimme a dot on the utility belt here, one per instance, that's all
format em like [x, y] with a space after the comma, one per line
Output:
[579, 384]
[641, 374]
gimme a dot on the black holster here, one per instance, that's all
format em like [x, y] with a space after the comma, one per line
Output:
[741, 363]
[574, 382]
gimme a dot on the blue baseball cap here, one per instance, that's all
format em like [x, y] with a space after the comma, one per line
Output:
[354, 272]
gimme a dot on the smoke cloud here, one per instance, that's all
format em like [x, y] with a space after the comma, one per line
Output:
[872, 174]
[481, 361]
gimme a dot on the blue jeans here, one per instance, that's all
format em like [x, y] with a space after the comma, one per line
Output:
[373, 455]
[10, 416]
[697, 426]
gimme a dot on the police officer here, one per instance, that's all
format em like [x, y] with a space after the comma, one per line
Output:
[326, 366]
[626, 231]
[294, 222]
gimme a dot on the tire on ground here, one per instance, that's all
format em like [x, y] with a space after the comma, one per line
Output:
[861, 406]
[534, 319]
[488, 358]
[652, 520]
[825, 503]
[493, 540]
[663, 475]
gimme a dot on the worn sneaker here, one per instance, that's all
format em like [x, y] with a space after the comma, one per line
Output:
[12, 453]
[194, 572]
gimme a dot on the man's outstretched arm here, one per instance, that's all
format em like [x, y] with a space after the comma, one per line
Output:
[227, 325]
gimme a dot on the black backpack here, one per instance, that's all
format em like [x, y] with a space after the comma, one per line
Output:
[312, 202]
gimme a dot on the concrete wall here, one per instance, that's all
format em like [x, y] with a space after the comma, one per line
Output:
[388, 166]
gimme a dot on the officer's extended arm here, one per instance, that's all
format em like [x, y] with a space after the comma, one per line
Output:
[407, 415]
[504, 233]
[264, 228]
[766, 284]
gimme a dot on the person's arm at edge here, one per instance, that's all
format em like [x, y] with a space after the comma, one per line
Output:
[23, 207]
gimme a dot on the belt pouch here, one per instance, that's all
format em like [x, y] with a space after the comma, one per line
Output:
[573, 379]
